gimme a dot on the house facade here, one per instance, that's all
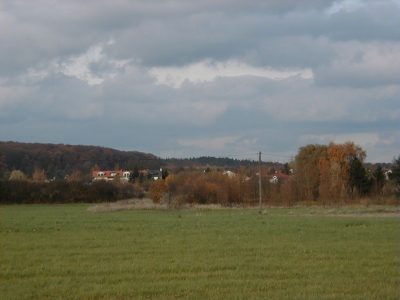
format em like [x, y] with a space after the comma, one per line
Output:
[155, 174]
[124, 175]
[110, 175]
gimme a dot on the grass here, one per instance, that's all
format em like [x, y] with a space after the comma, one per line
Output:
[68, 252]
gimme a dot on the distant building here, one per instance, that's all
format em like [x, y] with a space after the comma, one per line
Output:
[155, 174]
[110, 175]
[124, 175]
[229, 173]
[278, 177]
[387, 174]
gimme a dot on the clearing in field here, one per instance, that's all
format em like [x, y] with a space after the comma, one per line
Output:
[68, 252]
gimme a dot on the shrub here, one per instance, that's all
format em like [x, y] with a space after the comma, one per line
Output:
[157, 189]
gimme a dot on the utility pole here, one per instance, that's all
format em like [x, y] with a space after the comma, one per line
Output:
[259, 177]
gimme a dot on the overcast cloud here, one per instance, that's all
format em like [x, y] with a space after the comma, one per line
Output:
[202, 78]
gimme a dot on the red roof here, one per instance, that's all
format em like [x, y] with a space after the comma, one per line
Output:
[109, 174]
[280, 176]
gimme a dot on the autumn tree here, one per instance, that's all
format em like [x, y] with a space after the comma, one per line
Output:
[322, 172]
[39, 175]
[244, 186]
[170, 186]
[340, 158]
[17, 175]
[288, 192]
[117, 179]
[339, 169]
[95, 168]
[307, 174]
[75, 176]
[157, 189]
[325, 192]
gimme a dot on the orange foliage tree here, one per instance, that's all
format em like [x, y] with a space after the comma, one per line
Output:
[75, 176]
[307, 173]
[322, 172]
[157, 189]
[340, 157]
[39, 175]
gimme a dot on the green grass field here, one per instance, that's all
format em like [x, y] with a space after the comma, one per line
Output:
[67, 252]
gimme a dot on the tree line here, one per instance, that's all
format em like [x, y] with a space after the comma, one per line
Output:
[319, 174]
[334, 174]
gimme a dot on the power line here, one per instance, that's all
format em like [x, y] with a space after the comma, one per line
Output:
[278, 155]
[252, 153]
[218, 156]
[243, 154]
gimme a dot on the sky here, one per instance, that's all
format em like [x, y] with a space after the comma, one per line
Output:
[183, 79]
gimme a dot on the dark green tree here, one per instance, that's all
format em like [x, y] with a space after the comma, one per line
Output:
[379, 179]
[165, 173]
[394, 175]
[286, 169]
[133, 175]
[358, 177]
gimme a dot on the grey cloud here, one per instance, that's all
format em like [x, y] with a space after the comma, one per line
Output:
[367, 23]
[178, 33]
[134, 96]
[361, 65]
[352, 54]
[57, 98]
[218, 35]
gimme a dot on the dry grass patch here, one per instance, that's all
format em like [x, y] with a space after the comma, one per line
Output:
[345, 211]
[131, 204]
[148, 204]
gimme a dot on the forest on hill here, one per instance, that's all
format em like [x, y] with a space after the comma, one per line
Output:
[60, 160]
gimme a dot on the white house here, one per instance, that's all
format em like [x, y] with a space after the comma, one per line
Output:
[110, 175]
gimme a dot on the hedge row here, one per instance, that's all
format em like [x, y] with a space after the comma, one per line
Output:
[26, 192]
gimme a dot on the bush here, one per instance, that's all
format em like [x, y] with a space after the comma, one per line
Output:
[157, 189]
[201, 188]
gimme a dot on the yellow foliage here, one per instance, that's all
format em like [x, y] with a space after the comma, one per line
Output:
[39, 175]
[76, 176]
[157, 189]
[17, 175]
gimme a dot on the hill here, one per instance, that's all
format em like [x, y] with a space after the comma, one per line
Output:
[59, 160]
